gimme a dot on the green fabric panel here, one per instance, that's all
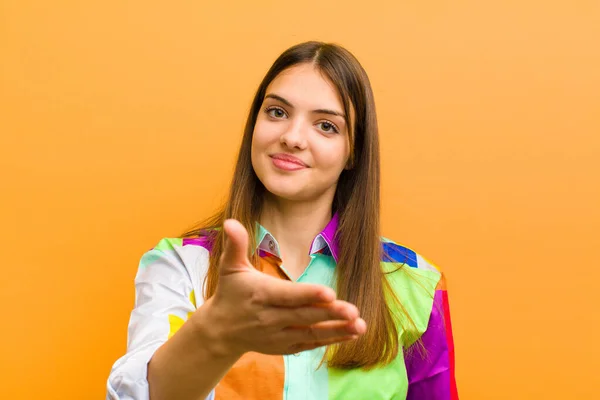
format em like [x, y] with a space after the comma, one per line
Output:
[388, 383]
[414, 288]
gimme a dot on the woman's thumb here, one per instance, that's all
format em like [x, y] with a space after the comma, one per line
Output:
[235, 251]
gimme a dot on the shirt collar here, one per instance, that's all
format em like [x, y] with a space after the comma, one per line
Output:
[324, 242]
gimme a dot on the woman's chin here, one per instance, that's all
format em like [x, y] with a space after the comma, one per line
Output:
[286, 192]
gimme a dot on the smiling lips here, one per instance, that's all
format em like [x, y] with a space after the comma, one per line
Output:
[287, 162]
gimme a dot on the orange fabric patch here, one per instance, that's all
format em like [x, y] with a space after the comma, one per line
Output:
[270, 265]
[254, 376]
[441, 283]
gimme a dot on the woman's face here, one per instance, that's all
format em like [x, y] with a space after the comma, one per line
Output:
[300, 143]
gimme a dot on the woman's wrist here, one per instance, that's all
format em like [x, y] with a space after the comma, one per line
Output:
[211, 333]
[192, 362]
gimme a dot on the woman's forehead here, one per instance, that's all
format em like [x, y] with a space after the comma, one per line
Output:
[305, 86]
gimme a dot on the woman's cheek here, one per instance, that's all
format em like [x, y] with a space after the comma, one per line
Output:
[330, 154]
[268, 133]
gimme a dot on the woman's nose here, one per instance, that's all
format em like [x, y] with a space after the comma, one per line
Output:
[295, 135]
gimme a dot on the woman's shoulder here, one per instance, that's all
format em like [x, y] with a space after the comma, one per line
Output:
[413, 280]
[183, 252]
[396, 255]
[178, 244]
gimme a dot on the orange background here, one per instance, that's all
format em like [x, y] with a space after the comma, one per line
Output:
[119, 124]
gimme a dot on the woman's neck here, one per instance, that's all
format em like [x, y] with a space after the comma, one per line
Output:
[294, 225]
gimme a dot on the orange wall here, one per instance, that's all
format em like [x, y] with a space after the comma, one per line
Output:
[119, 122]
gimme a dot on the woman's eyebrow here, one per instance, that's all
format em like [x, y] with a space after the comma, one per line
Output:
[281, 99]
[331, 112]
[319, 111]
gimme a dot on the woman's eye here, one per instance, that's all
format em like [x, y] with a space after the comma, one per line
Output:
[328, 127]
[276, 113]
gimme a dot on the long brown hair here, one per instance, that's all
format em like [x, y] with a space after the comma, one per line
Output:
[359, 276]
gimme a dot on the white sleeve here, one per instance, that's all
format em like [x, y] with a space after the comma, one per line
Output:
[167, 291]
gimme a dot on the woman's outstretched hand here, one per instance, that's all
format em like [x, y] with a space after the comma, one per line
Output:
[252, 311]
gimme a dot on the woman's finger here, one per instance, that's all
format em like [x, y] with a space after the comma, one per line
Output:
[235, 252]
[280, 293]
[323, 331]
[310, 315]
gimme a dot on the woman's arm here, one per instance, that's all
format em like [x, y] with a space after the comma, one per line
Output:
[190, 364]
[165, 296]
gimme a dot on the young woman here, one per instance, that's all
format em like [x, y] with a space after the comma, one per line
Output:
[290, 292]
